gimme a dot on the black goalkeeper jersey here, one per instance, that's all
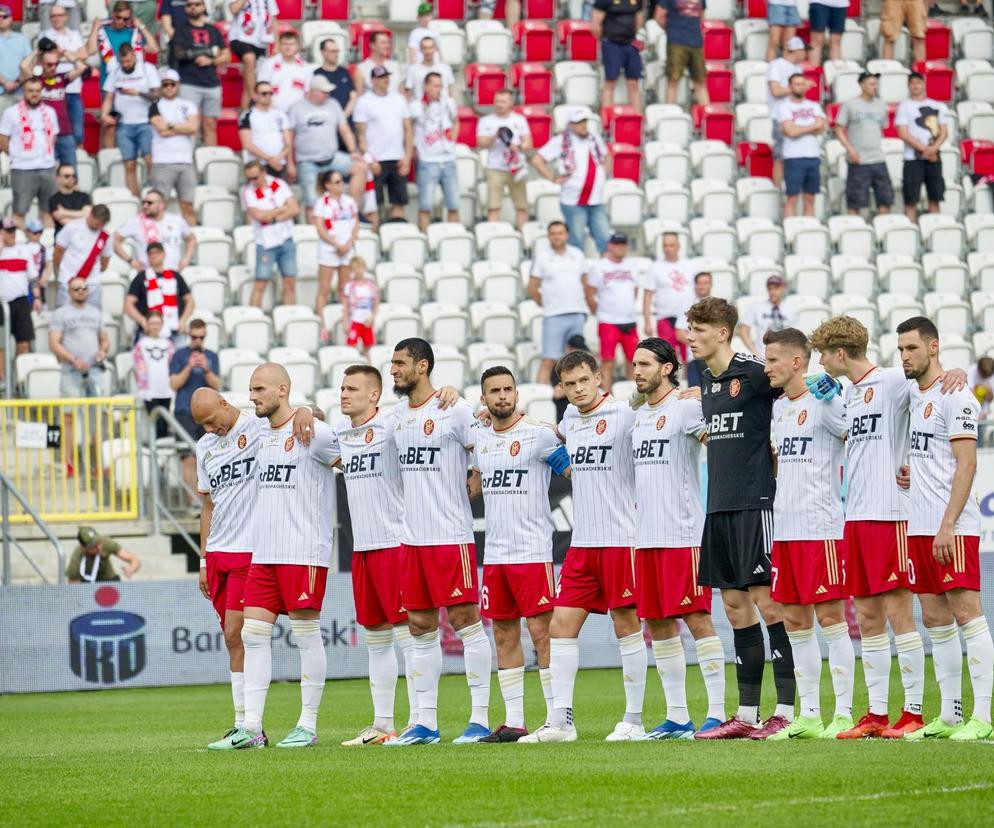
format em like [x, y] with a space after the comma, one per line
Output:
[738, 406]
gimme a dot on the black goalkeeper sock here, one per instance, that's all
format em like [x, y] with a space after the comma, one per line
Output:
[750, 659]
[783, 664]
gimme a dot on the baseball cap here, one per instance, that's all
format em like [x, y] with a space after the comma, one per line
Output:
[580, 113]
[864, 75]
[8, 223]
[618, 238]
[775, 280]
[87, 535]
[795, 44]
[169, 75]
[425, 8]
[322, 84]
[380, 72]
[34, 226]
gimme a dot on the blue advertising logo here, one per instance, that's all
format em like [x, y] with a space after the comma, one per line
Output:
[108, 646]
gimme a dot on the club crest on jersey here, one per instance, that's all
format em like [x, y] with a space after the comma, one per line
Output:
[928, 411]
[242, 441]
[802, 417]
[429, 427]
[288, 445]
[661, 422]
[515, 448]
[601, 426]
[734, 387]
[369, 435]
[868, 395]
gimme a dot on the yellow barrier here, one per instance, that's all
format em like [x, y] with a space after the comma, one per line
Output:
[72, 459]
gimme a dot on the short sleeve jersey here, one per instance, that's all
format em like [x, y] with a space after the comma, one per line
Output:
[617, 285]
[737, 407]
[226, 471]
[809, 436]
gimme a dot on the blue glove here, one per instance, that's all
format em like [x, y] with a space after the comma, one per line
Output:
[823, 387]
[559, 460]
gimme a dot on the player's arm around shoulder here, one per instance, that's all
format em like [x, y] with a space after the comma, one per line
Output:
[834, 417]
[324, 446]
[693, 418]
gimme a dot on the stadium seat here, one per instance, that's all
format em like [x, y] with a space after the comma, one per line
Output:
[940, 81]
[577, 83]
[450, 366]
[394, 322]
[897, 234]
[713, 159]
[714, 122]
[713, 239]
[759, 197]
[897, 273]
[713, 199]
[533, 81]
[981, 266]
[359, 33]
[622, 124]
[489, 42]
[453, 41]
[980, 232]
[973, 37]
[539, 122]
[668, 200]
[538, 9]
[494, 322]
[759, 237]
[219, 167]
[942, 234]
[755, 159]
[577, 40]
[451, 243]
[498, 241]
[297, 326]
[535, 40]
[857, 307]
[894, 308]
[232, 86]
[807, 275]
[403, 242]
[497, 282]
[718, 40]
[975, 79]
[334, 359]
[625, 203]
[626, 161]
[720, 83]
[853, 274]
[751, 37]
[484, 81]
[452, 10]
[290, 9]
[852, 236]
[445, 323]
[978, 155]
[946, 273]
[227, 130]
[400, 284]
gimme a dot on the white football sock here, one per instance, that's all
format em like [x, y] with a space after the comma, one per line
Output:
[545, 677]
[382, 677]
[634, 666]
[313, 669]
[876, 671]
[512, 688]
[947, 661]
[564, 662]
[842, 665]
[711, 659]
[427, 670]
[807, 669]
[238, 697]
[980, 659]
[257, 638]
[402, 635]
[672, 668]
[479, 662]
[911, 658]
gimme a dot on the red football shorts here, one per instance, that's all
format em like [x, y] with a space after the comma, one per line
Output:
[438, 576]
[226, 574]
[597, 579]
[517, 590]
[666, 583]
[376, 582]
[666, 331]
[281, 588]
[929, 577]
[360, 333]
[612, 336]
[808, 572]
[876, 556]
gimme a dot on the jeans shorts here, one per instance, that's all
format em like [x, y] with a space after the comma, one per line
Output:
[308, 172]
[74, 384]
[283, 257]
[777, 15]
[618, 56]
[827, 18]
[433, 173]
[134, 140]
[802, 175]
[207, 98]
[556, 331]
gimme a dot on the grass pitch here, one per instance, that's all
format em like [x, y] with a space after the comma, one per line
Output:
[136, 757]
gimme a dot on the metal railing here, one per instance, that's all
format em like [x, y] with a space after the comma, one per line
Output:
[8, 345]
[8, 489]
[158, 508]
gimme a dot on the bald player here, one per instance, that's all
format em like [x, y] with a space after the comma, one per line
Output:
[226, 481]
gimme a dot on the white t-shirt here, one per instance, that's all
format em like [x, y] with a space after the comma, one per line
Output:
[361, 296]
[419, 33]
[764, 316]
[923, 119]
[779, 70]
[172, 149]
[365, 69]
[417, 72]
[616, 284]
[289, 79]
[171, 230]
[803, 113]
[226, 470]
[78, 240]
[582, 159]
[384, 117]
[274, 194]
[17, 271]
[433, 121]
[68, 40]
[340, 216]
[155, 355]
[133, 109]
[672, 284]
[500, 156]
[561, 275]
[32, 144]
[254, 24]
[267, 130]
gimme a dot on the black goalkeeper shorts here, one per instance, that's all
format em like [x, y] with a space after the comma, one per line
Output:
[736, 548]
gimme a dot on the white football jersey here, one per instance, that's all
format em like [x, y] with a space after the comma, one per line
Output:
[433, 446]
[295, 505]
[877, 414]
[600, 449]
[666, 449]
[810, 440]
[937, 420]
[372, 480]
[226, 471]
[515, 476]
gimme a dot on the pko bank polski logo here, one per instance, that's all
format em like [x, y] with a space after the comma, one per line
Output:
[108, 646]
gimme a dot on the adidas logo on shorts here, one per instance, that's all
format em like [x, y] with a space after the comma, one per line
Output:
[947, 579]
[685, 602]
[456, 593]
[758, 570]
[302, 596]
[820, 591]
[626, 594]
[893, 577]
[543, 601]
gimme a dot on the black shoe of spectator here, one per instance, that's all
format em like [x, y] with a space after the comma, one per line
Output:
[980, 11]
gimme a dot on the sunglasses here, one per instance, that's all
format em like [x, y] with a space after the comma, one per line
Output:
[170, 83]
[122, 17]
[4, 16]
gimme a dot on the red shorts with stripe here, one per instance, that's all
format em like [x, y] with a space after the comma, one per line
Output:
[876, 556]
[517, 590]
[808, 572]
[597, 578]
[666, 583]
[226, 574]
[376, 582]
[438, 576]
[361, 333]
[929, 577]
[283, 588]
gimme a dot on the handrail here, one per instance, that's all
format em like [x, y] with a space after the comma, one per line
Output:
[158, 507]
[7, 488]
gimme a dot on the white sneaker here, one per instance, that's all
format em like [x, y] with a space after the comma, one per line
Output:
[548, 733]
[625, 732]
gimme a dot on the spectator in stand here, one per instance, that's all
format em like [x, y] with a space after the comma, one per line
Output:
[67, 203]
[77, 338]
[81, 253]
[316, 123]
[271, 205]
[14, 47]
[145, 11]
[28, 132]
[288, 73]
[898, 13]
[828, 16]
[580, 156]
[615, 23]
[72, 48]
[342, 87]
[266, 136]
[159, 289]
[383, 126]
[435, 131]
[18, 276]
[778, 75]
[556, 284]
[108, 36]
[611, 286]
[198, 53]
[175, 122]
[702, 290]
[48, 15]
[783, 19]
[33, 230]
[669, 292]
[512, 11]
[44, 64]
[860, 127]
[802, 122]
[154, 224]
[420, 32]
[129, 90]
[336, 218]
[380, 46]
[505, 135]
[681, 19]
[151, 356]
[922, 125]
[172, 16]
[90, 561]
[981, 381]
[429, 64]
[360, 298]
[764, 315]
[253, 24]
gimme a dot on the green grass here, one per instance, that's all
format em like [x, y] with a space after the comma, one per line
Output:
[136, 757]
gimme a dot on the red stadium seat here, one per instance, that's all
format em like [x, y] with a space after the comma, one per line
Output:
[832, 113]
[804, 31]
[17, 10]
[755, 159]
[533, 82]
[360, 32]
[290, 9]
[978, 155]
[940, 82]
[467, 126]
[720, 82]
[855, 8]
[938, 40]
[717, 40]
[626, 162]
[333, 10]
[485, 79]
[535, 40]
[623, 124]
[450, 9]
[227, 130]
[891, 130]
[92, 96]
[538, 9]
[577, 40]
[223, 26]
[816, 75]
[714, 122]
[91, 133]
[756, 9]
[539, 122]
[232, 85]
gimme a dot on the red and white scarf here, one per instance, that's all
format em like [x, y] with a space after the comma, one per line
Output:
[273, 186]
[49, 123]
[150, 231]
[161, 294]
[339, 211]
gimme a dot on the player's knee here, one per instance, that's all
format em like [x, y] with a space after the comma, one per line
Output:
[965, 605]
[699, 624]
[463, 615]
[233, 638]
[662, 628]
[626, 622]
[830, 614]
